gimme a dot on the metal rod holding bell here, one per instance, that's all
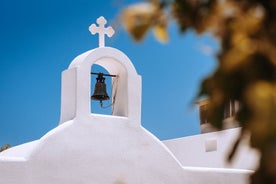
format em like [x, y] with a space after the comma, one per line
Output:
[100, 93]
[95, 73]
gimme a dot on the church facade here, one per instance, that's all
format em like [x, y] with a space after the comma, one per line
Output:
[89, 148]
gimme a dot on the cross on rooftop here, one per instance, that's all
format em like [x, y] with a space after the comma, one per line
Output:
[101, 30]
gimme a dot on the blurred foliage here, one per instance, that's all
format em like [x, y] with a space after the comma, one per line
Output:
[138, 19]
[5, 147]
[246, 69]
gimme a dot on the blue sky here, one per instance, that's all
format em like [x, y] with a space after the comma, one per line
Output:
[39, 39]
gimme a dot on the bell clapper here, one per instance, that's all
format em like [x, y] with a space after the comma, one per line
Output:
[101, 103]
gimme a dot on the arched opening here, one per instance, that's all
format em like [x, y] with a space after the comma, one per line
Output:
[117, 87]
[101, 106]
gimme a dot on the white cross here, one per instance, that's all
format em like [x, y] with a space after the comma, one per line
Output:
[101, 30]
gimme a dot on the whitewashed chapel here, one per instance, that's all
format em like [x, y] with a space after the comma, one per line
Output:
[89, 148]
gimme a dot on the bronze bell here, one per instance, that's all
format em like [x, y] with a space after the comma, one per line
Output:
[100, 93]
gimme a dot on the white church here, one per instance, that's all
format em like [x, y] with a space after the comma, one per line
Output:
[90, 148]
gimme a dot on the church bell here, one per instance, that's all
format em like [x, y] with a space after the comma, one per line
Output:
[100, 93]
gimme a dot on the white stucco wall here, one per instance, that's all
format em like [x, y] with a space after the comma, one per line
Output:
[103, 150]
[98, 150]
[212, 149]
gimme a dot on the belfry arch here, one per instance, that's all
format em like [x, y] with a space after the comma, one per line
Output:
[77, 79]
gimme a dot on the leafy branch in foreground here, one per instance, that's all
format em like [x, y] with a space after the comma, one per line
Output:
[246, 69]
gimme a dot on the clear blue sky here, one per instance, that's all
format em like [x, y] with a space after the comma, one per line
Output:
[39, 39]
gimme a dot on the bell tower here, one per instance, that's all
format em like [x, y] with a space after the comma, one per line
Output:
[76, 81]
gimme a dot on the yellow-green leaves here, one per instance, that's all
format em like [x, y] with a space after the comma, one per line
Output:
[160, 31]
[139, 18]
[261, 98]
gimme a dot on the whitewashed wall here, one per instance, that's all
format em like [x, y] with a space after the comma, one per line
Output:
[212, 149]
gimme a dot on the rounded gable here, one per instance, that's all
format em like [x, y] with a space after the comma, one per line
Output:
[76, 84]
